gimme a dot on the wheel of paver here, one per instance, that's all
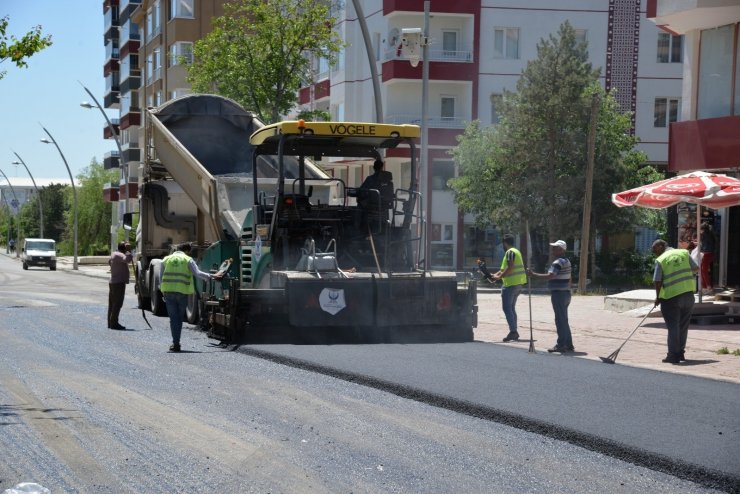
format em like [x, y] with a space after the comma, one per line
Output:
[191, 311]
[25, 265]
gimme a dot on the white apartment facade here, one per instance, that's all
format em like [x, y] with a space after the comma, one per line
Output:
[707, 135]
[478, 49]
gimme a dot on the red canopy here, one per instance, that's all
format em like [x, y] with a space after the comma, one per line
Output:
[707, 189]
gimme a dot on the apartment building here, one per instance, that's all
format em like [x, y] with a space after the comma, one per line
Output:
[707, 137]
[148, 44]
[478, 49]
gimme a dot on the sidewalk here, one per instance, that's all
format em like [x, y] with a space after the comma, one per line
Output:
[597, 332]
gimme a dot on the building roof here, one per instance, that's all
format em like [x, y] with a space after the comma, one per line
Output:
[27, 182]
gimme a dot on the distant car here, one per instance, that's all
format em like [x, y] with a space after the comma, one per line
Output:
[39, 252]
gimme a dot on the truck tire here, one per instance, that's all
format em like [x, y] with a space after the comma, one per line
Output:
[192, 312]
[157, 305]
[25, 265]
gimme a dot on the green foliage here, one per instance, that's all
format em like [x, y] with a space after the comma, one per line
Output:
[18, 50]
[256, 53]
[93, 213]
[531, 167]
[723, 351]
[622, 269]
[314, 115]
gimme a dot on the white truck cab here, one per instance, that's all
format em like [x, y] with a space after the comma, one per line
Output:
[39, 252]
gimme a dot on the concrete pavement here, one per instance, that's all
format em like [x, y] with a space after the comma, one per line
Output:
[597, 331]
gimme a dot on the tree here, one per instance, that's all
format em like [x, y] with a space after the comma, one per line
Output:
[93, 213]
[531, 167]
[52, 201]
[257, 53]
[18, 50]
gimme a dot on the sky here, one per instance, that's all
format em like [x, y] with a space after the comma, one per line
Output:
[48, 93]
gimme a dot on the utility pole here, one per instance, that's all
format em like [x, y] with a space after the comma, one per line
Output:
[586, 227]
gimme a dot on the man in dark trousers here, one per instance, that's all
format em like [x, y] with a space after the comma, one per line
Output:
[674, 291]
[119, 278]
[176, 277]
[558, 281]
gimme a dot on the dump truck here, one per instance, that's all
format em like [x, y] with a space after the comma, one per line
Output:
[305, 257]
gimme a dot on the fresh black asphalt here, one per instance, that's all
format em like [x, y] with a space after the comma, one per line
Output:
[685, 426]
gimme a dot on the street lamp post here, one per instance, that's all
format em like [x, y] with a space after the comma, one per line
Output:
[17, 220]
[124, 169]
[74, 190]
[7, 240]
[424, 168]
[38, 192]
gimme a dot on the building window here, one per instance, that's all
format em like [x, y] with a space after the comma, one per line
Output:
[182, 8]
[449, 44]
[670, 48]
[496, 102]
[443, 245]
[447, 110]
[154, 20]
[181, 52]
[506, 42]
[666, 111]
[714, 98]
[442, 172]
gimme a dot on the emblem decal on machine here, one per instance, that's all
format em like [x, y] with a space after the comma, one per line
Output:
[332, 300]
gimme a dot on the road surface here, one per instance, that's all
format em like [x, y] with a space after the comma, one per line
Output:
[87, 409]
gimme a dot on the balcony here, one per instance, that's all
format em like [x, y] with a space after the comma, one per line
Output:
[710, 143]
[111, 99]
[129, 119]
[110, 192]
[110, 22]
[112, 159]
[131, 83]
[111, 51]
[464, 55]
[131, 154]
[127, 7]
[391, 6]
[432, 122]
[107, 134]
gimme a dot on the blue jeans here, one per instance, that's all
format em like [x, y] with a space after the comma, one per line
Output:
[560, 302]
[509, 294]
[176, 304]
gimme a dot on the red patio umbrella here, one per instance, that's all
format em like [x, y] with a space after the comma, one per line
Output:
[707, 189]
[710, 190]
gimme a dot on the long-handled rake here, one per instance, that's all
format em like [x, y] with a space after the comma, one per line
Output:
[612, 358]
[531, 332]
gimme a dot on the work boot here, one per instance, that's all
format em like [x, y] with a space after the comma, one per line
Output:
[174, 348]
[557, 349]
[671, 359]
[511, 337]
